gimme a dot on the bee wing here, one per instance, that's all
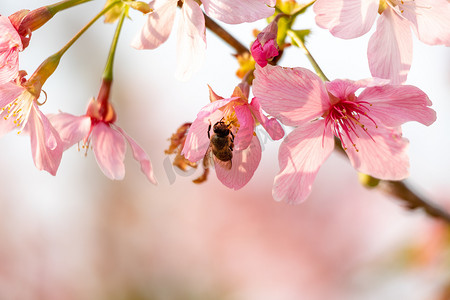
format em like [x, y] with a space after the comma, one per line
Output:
[208, 158]
[224, 164]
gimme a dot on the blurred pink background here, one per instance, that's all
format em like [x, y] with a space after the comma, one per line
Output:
[81, 236]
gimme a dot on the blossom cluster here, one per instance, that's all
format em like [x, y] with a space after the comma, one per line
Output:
[363, 117]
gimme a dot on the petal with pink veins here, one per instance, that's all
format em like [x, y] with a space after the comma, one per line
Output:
[244, 135]
[244, 165]
[290, 95]
[191, 44]
[238, 11]
[71, 129]
[6, 124]
[213, 106]
[272, 126]
[46, 146]
[383, 154]
[140, 156]
[390, 48]
[346, 19]
[342, 88]
[109, 149]
[395, 105]
[9, 92]
[10, 45]
[158, 26]
[197, 141]
[300, 156]
[430, 20]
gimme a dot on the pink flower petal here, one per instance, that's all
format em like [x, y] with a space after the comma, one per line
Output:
[46, 146]
[158, 25]
[384, 157]
[395, 105]
[346, 19]
[300, 156]
[191, 44]
[238, 11]
[342, 88]
[197, 140]
[430, 19]
[6, 125]
[10, 45]
[71, 129]
[244, 135]
[9, 92]
[244, 165]
[272, 126]
[290, 95]
[140, 156]
[213, 106]
[390, 48]
[109, 149]
[262, 54]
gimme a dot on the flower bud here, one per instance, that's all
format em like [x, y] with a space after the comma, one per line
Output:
[42, 73]
[367, 180]
[265, 46]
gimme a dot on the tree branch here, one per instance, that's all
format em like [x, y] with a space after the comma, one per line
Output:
[400, 190]
[224, 35]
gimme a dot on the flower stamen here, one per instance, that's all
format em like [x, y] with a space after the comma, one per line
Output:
[345, 117]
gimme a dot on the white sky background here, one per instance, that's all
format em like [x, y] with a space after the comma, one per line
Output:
[151, 105]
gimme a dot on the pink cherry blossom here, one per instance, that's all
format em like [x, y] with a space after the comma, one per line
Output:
[367, 125]
[191, 42]
[108, 140]
[10, 46]
[242, 117]
[390, 47]
[20, 110]
[191, 39]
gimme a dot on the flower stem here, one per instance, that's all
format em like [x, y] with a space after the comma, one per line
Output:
[108, 73]
[86, 27]
[56, 7]
[48, 66]
[311, 59]
[103, 94]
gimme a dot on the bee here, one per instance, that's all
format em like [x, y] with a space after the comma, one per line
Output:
[220, 146]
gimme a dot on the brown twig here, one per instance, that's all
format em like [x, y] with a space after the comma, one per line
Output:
[225, 35]
[400, 190]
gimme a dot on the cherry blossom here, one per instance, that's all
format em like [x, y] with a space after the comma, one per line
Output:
[191, 39]
[241, 117]
[20, 110]
[367, 125]
[10, 46]
[108, 140]
[390, 47]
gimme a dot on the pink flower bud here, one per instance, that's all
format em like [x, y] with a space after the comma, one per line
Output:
[265, 46]
[26, 22]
